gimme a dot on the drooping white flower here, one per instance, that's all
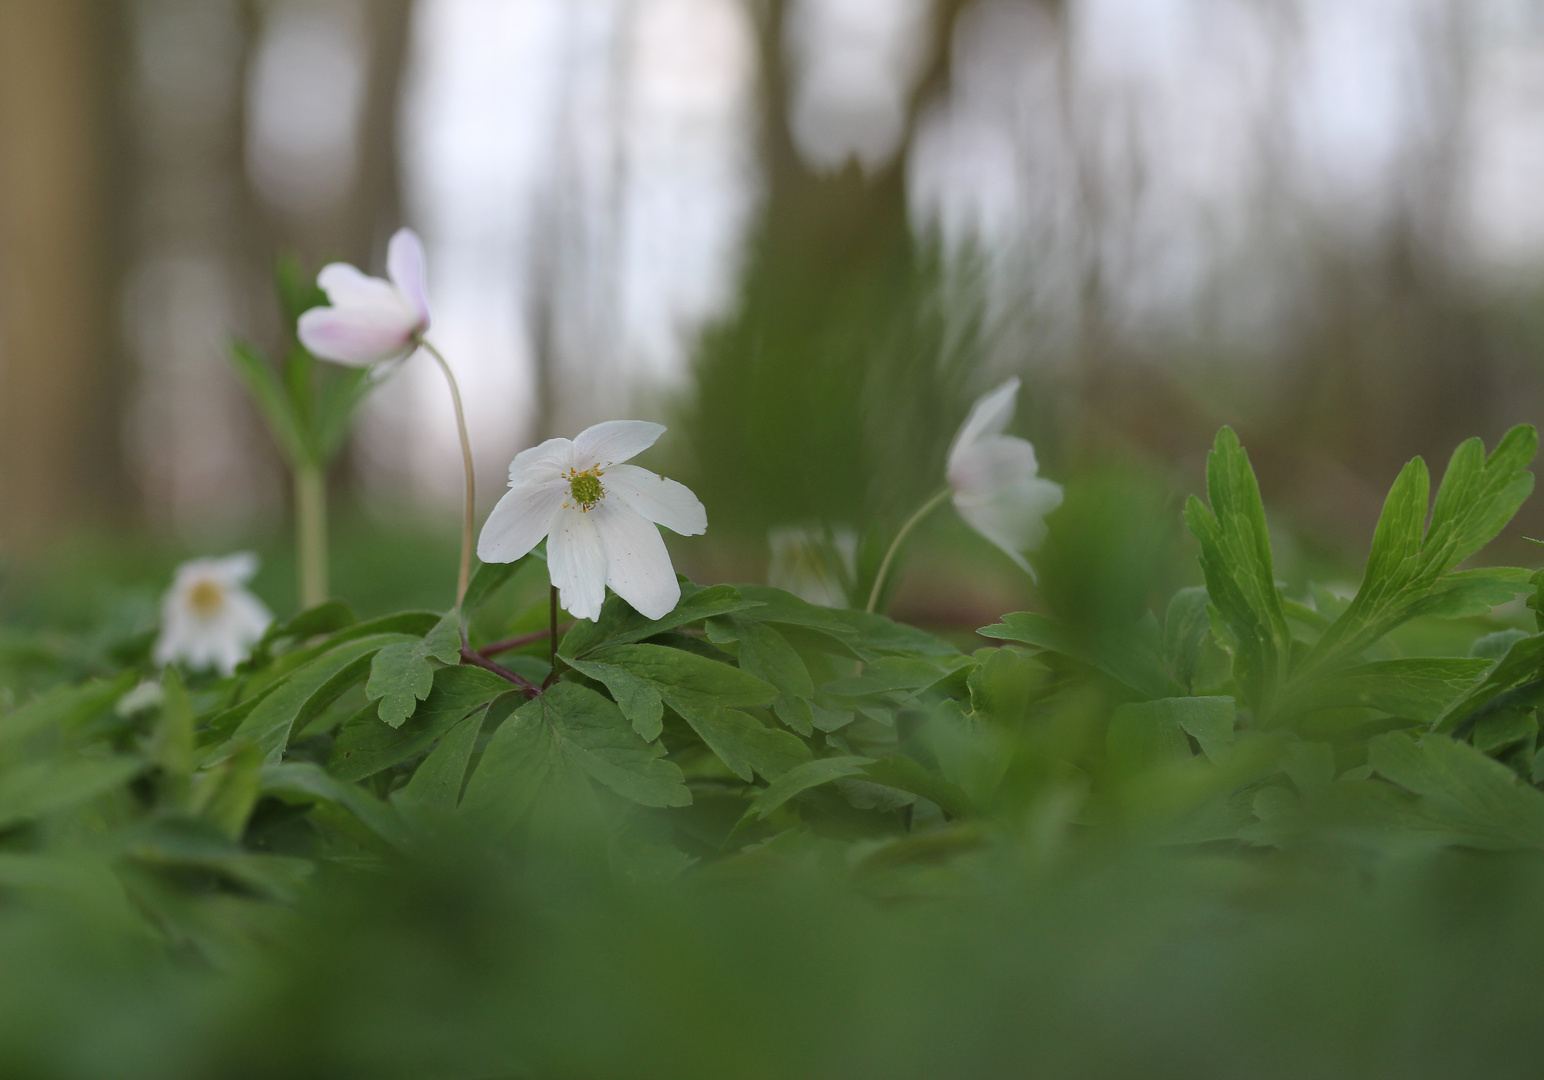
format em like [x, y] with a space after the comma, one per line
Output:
[995, 481]
[208, 618]
[598, 516]
[371, 320]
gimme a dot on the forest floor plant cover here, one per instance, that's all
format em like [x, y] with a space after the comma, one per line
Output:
[1245, 834]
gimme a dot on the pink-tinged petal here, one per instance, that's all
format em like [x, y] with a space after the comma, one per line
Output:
[542, 463]
[356, 336]
[576, 563]
[405, 264]
[519, 521]
[637, 565]
[613, 442]
[348, 287]
[991, 462]
[670, 504]
[988, 416]
[1013, 516]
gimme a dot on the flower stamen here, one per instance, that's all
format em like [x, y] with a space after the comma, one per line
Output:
[585, 487]
[206, 598]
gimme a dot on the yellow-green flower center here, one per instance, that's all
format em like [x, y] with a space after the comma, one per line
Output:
[585, 488]
[206, 598]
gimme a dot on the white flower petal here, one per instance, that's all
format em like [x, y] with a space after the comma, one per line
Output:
[405, 264]
[637, 565]
[991, 462]
[358, 335]
[542, 463]
[576, 563]
[988, 416]
[671, 504]
[1013, 516]
[613, 442]
[349, 287]
[520, 520]
[234, 569]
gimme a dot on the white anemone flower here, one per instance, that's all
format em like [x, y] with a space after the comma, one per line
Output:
[994, 478]
[371, 320]
[598, 516]
[208, 618]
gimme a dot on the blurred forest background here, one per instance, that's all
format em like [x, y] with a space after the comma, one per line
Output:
[806, 233]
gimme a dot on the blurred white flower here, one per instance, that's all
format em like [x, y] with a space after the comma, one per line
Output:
[598, 516]
[817, 563]
[207, 618]
[994, 479]
[371, 320]
[147, 695]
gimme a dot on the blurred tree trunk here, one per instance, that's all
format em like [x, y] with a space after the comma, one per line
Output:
[357, 228]
[802, 405]
[59, 461]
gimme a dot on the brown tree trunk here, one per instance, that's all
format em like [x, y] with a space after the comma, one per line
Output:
[59, 461]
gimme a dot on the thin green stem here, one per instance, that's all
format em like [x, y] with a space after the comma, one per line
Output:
[895, 545]
[552, 632]
[311, 534]
[469, 503]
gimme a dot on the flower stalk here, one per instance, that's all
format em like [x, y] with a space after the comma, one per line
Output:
[469, 497]
[895, 546]
[311, 534]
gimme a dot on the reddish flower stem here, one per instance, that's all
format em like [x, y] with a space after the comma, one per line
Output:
[531, 689]
[524, 639]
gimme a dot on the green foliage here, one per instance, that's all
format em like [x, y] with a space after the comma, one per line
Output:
[728, 835]
[308, 405]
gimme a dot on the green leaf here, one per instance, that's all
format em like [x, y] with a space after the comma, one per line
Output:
[401, 675]
[1145, 734]
[1003, 684]
[906, 774]
[620, 624]
[43, 787]
[1404, 575]
[1468, 593]
[364, 746]
[173, 742]
[1128, 666]
[802, 778]
[302, 782]
[1522, 662]
[705, 692]
[1480, 800]
[223, 794]
[437, 782]
[1421, 688]
[638, 700]
[65, 706]
[1240, 579]
[1209, 720]
[302, 696]
[767, 655]
[341, 391]
[262, 382]
[569, 727]
[777, 606]
[1186, 627]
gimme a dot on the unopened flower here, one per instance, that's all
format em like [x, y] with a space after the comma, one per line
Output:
[371, 320]
[816, 562]
[208, 618]
[598, 516]
[147, 695]
[994, 479]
